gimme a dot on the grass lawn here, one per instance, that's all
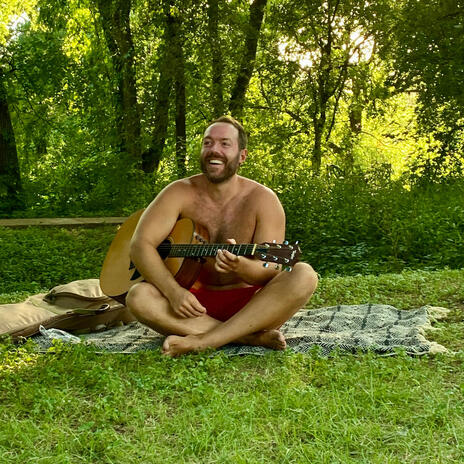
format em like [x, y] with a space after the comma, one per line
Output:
[73, 405]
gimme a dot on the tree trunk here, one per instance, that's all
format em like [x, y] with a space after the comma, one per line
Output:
[10, 180]
[179, 85]
[355, 110]
[115, 15]
[181, 132]
[217, 70]
[172, 71]
[237, 100]
[316, 158]
[152, 157]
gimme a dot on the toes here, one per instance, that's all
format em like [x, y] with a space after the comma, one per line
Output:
[166, 348]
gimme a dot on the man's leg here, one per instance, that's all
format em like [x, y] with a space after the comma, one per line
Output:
[151, 308]
[268, 309]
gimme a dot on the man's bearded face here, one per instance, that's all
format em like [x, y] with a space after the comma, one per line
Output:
[220, 155]
[218, 169]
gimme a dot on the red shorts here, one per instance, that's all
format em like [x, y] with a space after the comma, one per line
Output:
[223, 304]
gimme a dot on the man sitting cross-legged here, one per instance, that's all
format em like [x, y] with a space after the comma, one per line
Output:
[235, 299]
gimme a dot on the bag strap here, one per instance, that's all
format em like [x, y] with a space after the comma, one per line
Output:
[53, 295]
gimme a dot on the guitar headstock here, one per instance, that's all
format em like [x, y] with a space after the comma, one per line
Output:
[286, 254]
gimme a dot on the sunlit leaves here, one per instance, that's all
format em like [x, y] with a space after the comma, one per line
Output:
[13, 13]
[428, 57]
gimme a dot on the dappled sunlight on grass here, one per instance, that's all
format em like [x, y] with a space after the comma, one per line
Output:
[16, 357]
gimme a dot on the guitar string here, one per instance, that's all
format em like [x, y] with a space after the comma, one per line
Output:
[209, 249]
[206, 250]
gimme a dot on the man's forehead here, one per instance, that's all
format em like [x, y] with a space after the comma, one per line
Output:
[222, 130]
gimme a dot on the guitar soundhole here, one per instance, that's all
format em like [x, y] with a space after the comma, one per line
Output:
[163, 251]
[136, 273]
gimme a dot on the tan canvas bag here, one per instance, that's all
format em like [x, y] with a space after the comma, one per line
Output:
[79, 305]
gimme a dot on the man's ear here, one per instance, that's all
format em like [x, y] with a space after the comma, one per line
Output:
[243, 155]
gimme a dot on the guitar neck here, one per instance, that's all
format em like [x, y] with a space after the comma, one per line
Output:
[181, 250]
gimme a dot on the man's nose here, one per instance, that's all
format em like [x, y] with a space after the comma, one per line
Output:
[215, 146]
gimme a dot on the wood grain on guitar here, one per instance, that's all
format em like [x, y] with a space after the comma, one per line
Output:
[183, 252]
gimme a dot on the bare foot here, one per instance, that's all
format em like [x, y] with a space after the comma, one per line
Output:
[273, 339]
[175, 345]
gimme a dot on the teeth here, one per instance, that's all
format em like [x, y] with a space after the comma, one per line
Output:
[215, 162]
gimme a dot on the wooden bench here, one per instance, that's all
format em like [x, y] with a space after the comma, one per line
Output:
[63, 222]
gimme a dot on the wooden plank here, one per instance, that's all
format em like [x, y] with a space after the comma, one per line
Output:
[61, 222]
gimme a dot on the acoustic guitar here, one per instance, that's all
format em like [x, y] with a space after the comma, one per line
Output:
[183, 252]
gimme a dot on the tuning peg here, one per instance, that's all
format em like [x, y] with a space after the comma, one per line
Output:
[262, 255]
[297, 242]
[285, 242]
[266, 265]
[275, 258]
[288, 268]
[273, 241]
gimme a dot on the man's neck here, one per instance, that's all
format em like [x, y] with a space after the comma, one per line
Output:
[224, 191]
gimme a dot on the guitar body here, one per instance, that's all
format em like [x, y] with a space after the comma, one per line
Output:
[119, 274]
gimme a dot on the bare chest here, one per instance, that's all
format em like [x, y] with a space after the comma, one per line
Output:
[236, 219]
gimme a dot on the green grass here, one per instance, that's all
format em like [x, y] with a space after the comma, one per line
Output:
[77, 406]
[37, 258]
[73, 405]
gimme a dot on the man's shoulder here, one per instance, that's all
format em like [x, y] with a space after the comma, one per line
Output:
[186, 183]
[256, 189]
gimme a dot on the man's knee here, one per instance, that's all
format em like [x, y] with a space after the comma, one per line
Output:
[305, 279]
[139, 294]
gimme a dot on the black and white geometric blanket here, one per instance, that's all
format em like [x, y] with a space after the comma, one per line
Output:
[380, 328]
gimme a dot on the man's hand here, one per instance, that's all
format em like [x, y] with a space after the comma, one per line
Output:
[246, 269]
[185, 304]
[227, 262]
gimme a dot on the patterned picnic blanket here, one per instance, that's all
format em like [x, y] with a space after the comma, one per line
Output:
[381, 328]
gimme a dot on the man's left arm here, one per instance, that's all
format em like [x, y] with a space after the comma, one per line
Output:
[270, 226]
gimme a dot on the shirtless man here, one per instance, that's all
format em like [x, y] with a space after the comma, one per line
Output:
[235, 299]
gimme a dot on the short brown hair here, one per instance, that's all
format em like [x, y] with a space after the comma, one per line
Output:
[242, 136]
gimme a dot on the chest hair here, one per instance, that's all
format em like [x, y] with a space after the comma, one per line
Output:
[235, 219]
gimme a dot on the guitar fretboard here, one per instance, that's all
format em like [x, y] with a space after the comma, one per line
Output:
[199, 250]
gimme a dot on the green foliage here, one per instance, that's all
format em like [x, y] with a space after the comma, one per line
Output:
[370, 224]
[426, 53]
[353, 219]
[345, 226]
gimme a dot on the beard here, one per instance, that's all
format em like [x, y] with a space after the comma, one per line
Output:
[229, 168]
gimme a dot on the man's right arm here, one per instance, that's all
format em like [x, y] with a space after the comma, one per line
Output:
[154, 226]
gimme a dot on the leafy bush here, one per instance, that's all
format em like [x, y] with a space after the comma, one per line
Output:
[360, 224]
[368, 223]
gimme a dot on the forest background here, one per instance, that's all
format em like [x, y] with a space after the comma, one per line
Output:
[355, 112]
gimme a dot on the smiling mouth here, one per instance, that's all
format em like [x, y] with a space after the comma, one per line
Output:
[215, 162]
